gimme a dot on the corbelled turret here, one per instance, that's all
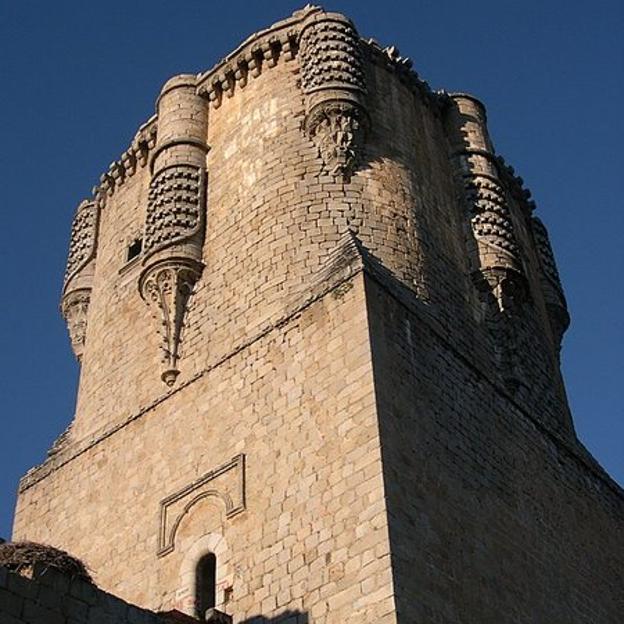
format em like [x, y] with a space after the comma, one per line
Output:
[176, 214]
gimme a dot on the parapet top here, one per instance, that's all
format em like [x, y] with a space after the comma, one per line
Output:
[263, 48]
[253, 42]
[177, 81]
[320, 16]
[459, 95]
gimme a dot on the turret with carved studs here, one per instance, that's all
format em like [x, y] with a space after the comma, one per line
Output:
[332, 79]
[79, 274]
[175, 221]
[492, 244]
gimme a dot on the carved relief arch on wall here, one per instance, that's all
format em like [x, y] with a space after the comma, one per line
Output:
[225, 483]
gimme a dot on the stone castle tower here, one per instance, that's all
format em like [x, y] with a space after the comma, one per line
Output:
[319, 328]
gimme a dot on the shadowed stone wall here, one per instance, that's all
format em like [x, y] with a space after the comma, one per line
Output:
[492, 517]
[51, 597]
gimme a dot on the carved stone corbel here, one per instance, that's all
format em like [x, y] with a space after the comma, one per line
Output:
[167, 288]
[337, 129]
[173, 235]
[74, 308]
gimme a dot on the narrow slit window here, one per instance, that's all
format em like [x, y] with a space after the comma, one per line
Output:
[205, 584]
[134, 249]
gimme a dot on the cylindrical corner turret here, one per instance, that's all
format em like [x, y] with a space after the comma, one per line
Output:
[495, 249]
[182, 124]
[175, 213]
[470, 117]
[175, 221]
[332, 78]
[79, 274]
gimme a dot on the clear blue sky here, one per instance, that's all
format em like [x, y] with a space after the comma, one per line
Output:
[79, 77]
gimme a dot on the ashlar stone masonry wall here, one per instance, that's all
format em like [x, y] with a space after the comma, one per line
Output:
[493, 518]
[311, 532]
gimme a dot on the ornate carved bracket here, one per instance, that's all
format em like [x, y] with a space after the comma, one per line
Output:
[499, 278]
[167, 288]
[337, 130]
[74, 308]
[492, 245]
[493, 248]
[172, 243]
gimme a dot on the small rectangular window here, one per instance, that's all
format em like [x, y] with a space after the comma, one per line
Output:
[134, 249]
